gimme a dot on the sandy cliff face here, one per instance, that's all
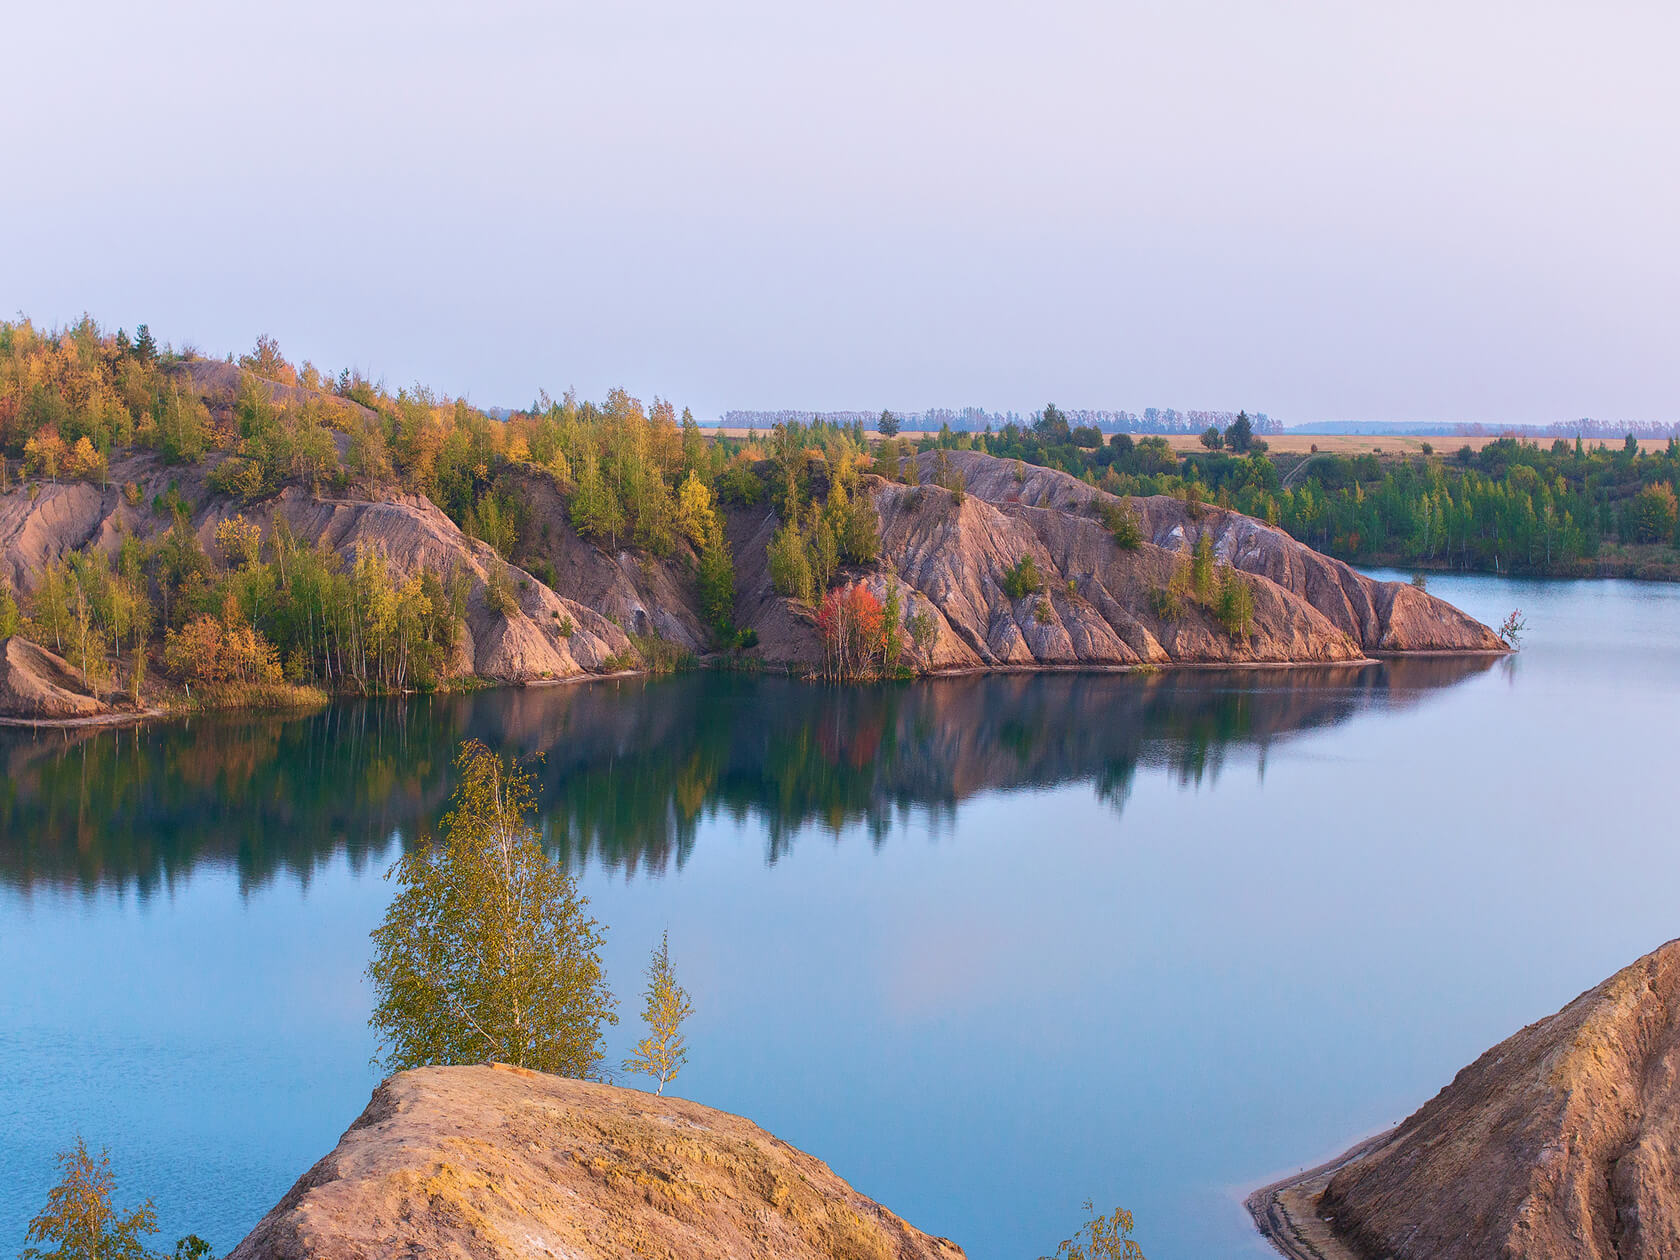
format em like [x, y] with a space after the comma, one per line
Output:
[946, 558]
[491, 1162]
[1561, 1142]
[647, 595]
[409, 530]
[950, 558]
[36, 685]
[1378, 616]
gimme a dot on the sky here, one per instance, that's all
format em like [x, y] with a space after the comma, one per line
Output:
[1322, 211]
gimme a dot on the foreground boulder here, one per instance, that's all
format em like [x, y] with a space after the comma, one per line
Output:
[37, 686]
[493, 1161]
[1561, 1142]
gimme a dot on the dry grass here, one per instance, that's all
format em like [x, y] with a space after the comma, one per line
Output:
[255, 696]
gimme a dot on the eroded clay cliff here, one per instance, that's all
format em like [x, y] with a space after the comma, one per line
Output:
[493, 1162]
[38, 686]
[547, 636]
[1560, 1143]
[946, 554]
[949, 554]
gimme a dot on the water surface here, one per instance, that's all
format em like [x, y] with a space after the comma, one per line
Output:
[989, 946]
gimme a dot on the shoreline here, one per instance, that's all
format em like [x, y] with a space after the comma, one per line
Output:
[122, 718]
[1659, 572]
[142, 716]
[1284, 1211]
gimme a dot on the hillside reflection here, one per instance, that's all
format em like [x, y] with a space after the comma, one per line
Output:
[629, 769]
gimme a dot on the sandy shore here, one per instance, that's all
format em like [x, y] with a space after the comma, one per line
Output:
[1285, 1212]
[122, 717]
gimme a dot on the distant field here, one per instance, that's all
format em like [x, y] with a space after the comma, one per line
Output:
[1331, 443]
[1391, 444]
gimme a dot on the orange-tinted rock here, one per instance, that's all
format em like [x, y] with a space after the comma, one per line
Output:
[39, 686]
[494, 1162]
[1560, 1143]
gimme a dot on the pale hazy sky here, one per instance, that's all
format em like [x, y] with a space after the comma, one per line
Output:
[1339, 210]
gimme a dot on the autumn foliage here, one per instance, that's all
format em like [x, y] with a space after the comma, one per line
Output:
[853, 628]
[208, 650]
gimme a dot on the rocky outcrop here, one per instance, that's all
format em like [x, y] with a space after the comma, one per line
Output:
[647, 595]
[546, 636]
[491, 1162]
[37, 686]
[945, 554]
[218, 383]
[949, 554]
[1560, 1143]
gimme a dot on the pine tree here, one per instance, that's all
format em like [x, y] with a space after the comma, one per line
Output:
[1240, 436]
[663, 1052]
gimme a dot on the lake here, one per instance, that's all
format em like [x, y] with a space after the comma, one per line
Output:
[989, 946]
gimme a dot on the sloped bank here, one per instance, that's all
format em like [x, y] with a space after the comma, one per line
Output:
[950, 553]
[493, 1161]
[38, 686]
[1557, 1144]
[947, 554]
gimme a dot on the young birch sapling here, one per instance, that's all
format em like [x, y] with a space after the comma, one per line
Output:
[662, 1053]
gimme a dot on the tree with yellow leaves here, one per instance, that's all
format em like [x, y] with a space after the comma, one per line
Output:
[83, 461]
[487, 951]
[662, 1053]
[695, 518]
[1101, 1238]
[80, 1218]
[240, 541]
[44, 454]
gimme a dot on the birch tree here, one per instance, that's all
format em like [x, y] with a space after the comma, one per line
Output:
[487, 952]
[80, 1222]
[663, 1052]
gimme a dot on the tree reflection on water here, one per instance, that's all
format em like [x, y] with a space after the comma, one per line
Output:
[628, 769]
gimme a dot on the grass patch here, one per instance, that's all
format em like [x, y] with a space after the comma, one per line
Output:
[265, 695]
[661, 656]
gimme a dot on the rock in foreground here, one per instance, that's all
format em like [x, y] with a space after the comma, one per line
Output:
[1561, 1142]
[496, 1161]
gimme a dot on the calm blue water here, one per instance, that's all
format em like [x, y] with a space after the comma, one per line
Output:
[987, 946]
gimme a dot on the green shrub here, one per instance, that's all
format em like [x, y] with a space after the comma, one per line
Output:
[544, 572]
[1022, 579]
[1166, 603]
[1235, 608]
[498, 591]
[1122, 522]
